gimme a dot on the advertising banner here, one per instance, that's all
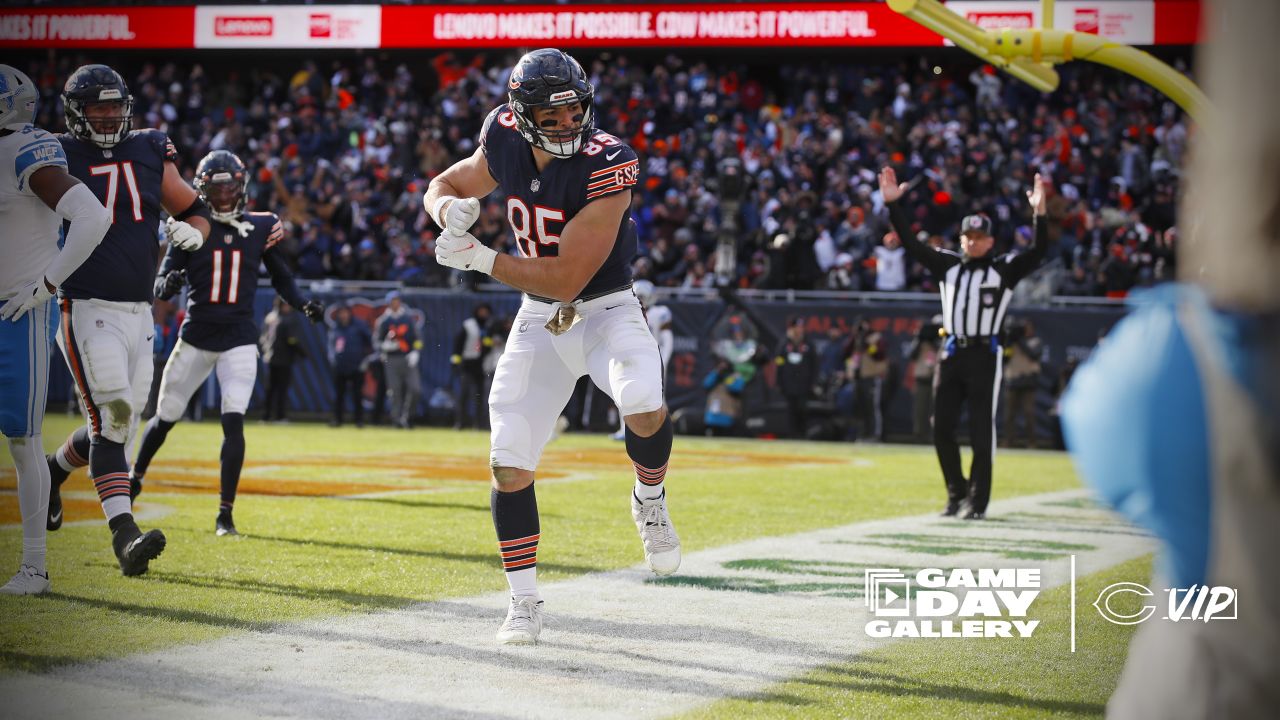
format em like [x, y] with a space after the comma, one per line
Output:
[288, 26]
[463, 26]
[114, 27]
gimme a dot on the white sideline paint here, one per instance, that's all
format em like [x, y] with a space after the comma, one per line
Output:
[615, 646]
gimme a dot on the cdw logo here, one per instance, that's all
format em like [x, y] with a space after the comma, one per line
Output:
[321, 25]
[1198, 602]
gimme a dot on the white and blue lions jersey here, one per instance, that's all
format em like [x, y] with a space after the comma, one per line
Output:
[540, 204]
[29, 241]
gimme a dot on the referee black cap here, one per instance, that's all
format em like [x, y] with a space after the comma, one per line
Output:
[978, 222]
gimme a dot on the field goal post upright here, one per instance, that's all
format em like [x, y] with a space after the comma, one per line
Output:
[1029, 55]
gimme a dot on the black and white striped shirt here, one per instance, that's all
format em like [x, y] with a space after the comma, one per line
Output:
[976, 292]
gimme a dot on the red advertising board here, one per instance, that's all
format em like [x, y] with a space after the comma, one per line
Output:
[1177, 22]
[746, 25]
[711, 25]
[113, 27]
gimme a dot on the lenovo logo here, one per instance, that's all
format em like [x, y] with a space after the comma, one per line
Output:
[997, 20]
[243, 26]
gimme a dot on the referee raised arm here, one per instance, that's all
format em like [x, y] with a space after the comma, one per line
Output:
[976, 288]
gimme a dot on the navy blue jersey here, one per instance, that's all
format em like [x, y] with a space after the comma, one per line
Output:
[127, 179]
[223, 278]
[539, 205]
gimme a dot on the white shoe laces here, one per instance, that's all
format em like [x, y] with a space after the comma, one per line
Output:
[656, 530]
[521, 615]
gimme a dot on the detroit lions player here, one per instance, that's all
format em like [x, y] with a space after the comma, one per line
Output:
[106, 327]
[34, 199]
[568, 194]
[219, 331]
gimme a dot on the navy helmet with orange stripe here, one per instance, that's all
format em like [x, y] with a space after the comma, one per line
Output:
[551, 78]
[223, 183]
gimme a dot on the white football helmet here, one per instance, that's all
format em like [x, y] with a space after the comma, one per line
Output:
[644, 291]
[18, 97]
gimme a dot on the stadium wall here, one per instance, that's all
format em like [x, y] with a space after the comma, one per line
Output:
[1065, 332]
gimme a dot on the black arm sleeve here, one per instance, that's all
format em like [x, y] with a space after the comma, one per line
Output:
[174, 259]
[197, 209]
[282, 279]
[934, 261]
[1023, 265]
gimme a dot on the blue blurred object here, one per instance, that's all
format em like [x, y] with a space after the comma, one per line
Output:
[1134, 419]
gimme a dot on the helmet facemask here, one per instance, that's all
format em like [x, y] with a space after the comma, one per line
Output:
[89, 125]
[561, 143]
[224, 194]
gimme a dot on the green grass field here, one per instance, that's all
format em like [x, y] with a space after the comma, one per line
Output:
[339, 522]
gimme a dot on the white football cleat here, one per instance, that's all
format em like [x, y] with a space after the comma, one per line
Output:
[26, 582]
[661, 544]
[523, 623]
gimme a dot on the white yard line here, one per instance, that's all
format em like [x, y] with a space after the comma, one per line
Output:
[617, 644]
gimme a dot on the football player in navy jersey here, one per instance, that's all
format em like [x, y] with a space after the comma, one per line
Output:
[568, 189]
[106, 327]
[219, 331]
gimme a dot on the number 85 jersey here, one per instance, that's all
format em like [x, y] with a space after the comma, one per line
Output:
[540, 204]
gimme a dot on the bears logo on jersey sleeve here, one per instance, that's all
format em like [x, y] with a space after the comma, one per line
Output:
[613, 166]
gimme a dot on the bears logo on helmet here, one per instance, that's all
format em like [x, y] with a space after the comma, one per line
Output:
[551, 78]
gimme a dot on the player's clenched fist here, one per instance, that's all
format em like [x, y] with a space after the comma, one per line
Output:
[459, 214]
[182, 235]
[464, 252]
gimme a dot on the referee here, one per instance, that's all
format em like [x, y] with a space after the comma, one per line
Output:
[976, 289]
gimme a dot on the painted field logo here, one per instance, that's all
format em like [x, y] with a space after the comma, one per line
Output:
[1198, 602]
[951, 604]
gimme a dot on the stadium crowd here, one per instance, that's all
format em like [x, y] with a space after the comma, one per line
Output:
[342, 149]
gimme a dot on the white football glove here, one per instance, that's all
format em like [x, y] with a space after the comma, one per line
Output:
[28, 296]
[183, 235]
[413, 359]
[464, 252]
[461, 215]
